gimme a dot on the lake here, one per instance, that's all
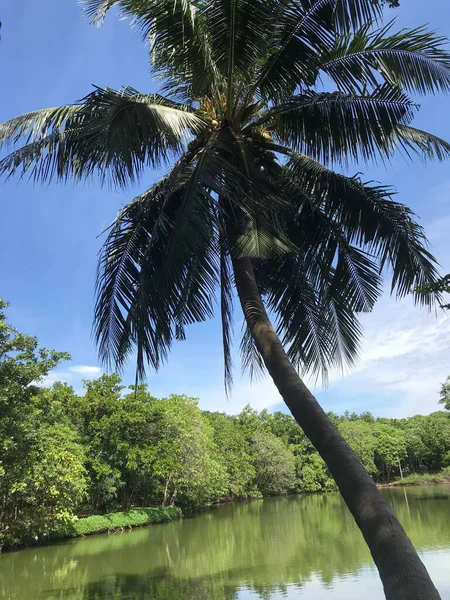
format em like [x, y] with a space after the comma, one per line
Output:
[295, 547]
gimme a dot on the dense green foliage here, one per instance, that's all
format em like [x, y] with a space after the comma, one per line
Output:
[445, 394]
[111, 448]
[42, 472]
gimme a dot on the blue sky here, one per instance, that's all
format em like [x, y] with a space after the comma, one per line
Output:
[50, 55]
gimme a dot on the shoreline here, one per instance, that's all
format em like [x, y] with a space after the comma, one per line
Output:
[118, 522]
[99, 524]
[394, 484]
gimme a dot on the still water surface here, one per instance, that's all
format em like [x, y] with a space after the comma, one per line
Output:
[283, 548]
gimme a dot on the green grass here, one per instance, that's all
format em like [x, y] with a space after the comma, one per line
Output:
[116, 520]
[421, 479]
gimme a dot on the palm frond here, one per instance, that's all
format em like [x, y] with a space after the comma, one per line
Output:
[237, 30]
[337, 127]
[146, 292]
[326, 248]
[371, 220]
[425, 144]
[38, 124]
[317, 325]
[251, 358]
[317, 294]
[302, 29]
[411, 59]
[226, 310]
[96, 10]
[179, 49]
[111, 133]
[353, 14]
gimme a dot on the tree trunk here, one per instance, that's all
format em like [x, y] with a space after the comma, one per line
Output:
[166, 492]
[174, 496]
[402, 573]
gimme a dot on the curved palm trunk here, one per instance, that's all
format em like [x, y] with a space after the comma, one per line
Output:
[403, 574]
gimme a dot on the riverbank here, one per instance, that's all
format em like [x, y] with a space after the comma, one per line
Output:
[142, 517]
[110, 522]
[417, 479]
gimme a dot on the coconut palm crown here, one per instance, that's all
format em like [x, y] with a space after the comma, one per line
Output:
[259, 102]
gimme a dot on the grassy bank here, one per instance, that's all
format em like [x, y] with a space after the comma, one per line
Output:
[424, 479]
[115, 521]
[119, 520]
[420, 479]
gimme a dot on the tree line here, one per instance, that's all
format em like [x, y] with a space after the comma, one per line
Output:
[112, 447]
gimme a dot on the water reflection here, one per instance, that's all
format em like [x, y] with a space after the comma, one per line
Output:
[281, 547]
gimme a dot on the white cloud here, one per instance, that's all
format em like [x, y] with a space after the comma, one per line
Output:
[404, 359]
[72, 375]
[259, 394]
[85, 370]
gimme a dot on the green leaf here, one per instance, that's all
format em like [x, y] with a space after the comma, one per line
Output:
[110, 133]
[337, 127]
[372, 220]
[302, 29]
[412, 59]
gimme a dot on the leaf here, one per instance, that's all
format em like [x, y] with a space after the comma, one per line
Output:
[179, 49]
[144, 293]
[371, 220]
[412, 59]
[110, 133]
[426, 145]
[226, 311]
[337, 127]
[252, 360]
[302, 30]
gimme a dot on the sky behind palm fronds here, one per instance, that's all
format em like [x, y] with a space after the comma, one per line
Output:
[49, 55]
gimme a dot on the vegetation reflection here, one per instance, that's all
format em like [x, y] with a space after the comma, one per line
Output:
[263, 545]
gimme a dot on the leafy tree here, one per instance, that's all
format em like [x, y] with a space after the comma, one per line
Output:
[42, 477]
[360, 437]
[286, 428]
[234, 453]
[98, 418]
[390, 448]
[146, 450]
[249, 422]
[435, 433]
[415, 450]
[445, 394]
[185, 461]
[312, 473]
[56, 483]
[274, 465]
[241, 83]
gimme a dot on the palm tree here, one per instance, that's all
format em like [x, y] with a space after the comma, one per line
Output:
[260, 100]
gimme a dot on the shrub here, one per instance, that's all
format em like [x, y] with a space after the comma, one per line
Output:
[117, 520]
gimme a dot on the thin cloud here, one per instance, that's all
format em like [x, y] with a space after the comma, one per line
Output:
[85, 370]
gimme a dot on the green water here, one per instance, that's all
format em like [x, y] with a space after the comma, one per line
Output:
[296, 547]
